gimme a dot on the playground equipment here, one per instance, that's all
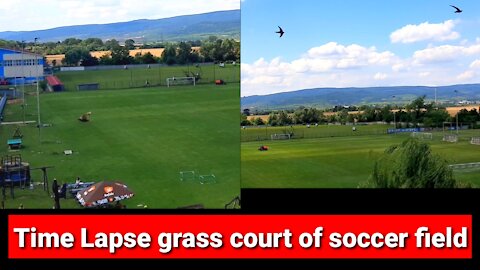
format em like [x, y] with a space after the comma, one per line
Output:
[14, 172]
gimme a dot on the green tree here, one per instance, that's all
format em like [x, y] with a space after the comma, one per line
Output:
[184, 53]
[93, 44]
[75, 56]
[112, 44]
[244, 120]
[72, 41]
[130, 44]
[258, 121]
[411, 165]
[121, 56]
[169, 55]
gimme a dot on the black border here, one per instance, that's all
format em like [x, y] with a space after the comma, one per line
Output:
[290, 201]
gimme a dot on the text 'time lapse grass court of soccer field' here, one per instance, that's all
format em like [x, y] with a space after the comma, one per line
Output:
[139, 114]
[366, 95]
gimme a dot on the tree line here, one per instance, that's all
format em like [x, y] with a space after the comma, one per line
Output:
[77, 51]
[415, 114]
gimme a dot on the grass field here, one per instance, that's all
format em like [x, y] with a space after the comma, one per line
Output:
[258, 133]
[136, 77]
[142, 137]
[338, 162]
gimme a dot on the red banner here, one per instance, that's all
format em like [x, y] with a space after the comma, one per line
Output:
[240, 236]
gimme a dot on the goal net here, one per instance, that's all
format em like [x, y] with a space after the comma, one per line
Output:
[180, 81]
[450, 138]
[280, 136]
[187, 175]
[422, 135]
[207, 179]
[475, 140]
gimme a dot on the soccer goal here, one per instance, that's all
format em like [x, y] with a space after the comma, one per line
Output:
[450, 138]
[207, 179]
[422, 135]
[475, 140]
[180, 81]
[280, 136]
[187, 175]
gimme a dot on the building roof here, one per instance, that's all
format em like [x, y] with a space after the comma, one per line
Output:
[19, 51]
[53, 80]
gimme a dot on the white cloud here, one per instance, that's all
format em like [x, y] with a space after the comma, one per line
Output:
[475, 64]
[329, 64]
[77, 12]
[424, 74]
[425, 31]
[380, 76]
[469, 74]
[444, 53]
[337, 65]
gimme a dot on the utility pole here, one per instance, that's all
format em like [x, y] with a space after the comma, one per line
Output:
[23, 84]
[37, 62]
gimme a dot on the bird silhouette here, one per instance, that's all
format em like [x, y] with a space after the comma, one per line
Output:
[280, 31]
[457, 9]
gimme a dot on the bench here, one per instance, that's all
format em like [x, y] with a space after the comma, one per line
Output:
[14, 143]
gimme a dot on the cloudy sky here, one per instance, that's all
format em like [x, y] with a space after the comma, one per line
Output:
[19, 15]
[348, 43]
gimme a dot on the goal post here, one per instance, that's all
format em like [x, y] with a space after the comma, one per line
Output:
[207, 179]
[281, 136]
[422, 135]
[181, 81]
[450, 138]
[187, 175]
[475, 140]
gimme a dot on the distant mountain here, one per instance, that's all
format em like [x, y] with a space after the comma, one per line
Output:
[188, 27]
[327, 97]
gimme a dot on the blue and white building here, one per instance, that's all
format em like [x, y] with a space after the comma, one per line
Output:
[17, 67]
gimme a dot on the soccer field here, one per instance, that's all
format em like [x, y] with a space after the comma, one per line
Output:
[156, 76]
[143, 137]
[338, 162]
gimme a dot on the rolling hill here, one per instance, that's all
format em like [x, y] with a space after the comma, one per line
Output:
[188, 27]
[327, 97]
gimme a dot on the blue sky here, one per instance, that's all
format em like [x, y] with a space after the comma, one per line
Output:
[358, 43]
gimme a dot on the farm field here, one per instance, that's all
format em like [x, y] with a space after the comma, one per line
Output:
[156, 76]
[143, 137]
[342, 161]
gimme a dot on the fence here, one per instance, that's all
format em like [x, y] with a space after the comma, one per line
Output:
[117, 77]
[3, 102]
[472, 165]
[264, 133]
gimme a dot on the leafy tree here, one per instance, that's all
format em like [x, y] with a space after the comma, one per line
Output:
[258, 121]
[93, 44]
[112, 44]
[75, 56]
[72, 41]
[435, 118]
[411, 165]
[130, 44]
[169, 55]
[244, 120]
[121, 56]
[89, 60]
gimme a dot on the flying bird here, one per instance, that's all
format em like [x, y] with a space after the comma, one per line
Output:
[280, 31]
[457, 9]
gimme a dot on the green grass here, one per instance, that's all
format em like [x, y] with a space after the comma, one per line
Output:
[133, 77]
[258, 133]
[338, 162]
[142, 137]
